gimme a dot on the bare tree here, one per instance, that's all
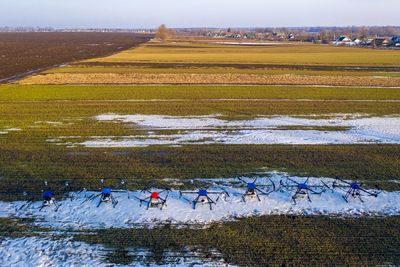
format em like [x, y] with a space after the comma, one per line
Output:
[364, 33]
[324, 36]
[259, 30]
[162, 33]
[172, 33]
[304, 36]
[390, 31]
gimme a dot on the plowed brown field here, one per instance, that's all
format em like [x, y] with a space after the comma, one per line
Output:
[26, 51]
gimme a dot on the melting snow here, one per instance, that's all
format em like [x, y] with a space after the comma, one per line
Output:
[5, 131]
[214, 129]
[40, 251]
[46, 251]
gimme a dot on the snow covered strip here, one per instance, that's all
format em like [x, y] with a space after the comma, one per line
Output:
[46, 251]
[214, 129]
[128, 212]
[43, 251]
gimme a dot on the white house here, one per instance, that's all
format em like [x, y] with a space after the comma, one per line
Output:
[342, 40]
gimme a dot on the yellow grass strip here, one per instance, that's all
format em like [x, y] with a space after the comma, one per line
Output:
[186, 78]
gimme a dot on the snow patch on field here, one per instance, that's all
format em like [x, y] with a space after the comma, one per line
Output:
[49, 122]
[216, 129]
[7, 130]
[43, 251]
[128, 212]
[47, 251]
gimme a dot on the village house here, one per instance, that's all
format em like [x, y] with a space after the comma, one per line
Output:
[395, 41]
[380, 42]
[342, 40]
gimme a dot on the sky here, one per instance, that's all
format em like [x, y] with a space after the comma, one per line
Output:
[195, 13]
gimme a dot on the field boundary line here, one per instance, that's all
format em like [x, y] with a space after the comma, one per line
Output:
[201, 99]
[215, 84]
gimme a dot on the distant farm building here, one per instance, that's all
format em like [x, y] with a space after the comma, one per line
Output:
[279, 34]
[342, 40]
[381, 42]
[395, 41]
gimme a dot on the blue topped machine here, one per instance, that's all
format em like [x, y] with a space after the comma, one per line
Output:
[48, 199]
[253, 189]
[106, 194]
[353, 190]
[48, 196]
[106, 191]
[303, 189]
[202, 197]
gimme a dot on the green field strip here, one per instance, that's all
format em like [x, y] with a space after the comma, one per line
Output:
[13, 92]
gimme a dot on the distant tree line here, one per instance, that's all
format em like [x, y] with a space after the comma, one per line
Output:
[300, 33]
[50, 29]
[296, 33]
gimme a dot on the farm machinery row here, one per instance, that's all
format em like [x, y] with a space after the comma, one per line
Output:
[249, 189]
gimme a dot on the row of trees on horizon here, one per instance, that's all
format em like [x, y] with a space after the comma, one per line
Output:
[324, 34]
[301, 33]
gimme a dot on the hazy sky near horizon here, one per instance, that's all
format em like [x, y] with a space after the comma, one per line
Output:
[191, 13]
